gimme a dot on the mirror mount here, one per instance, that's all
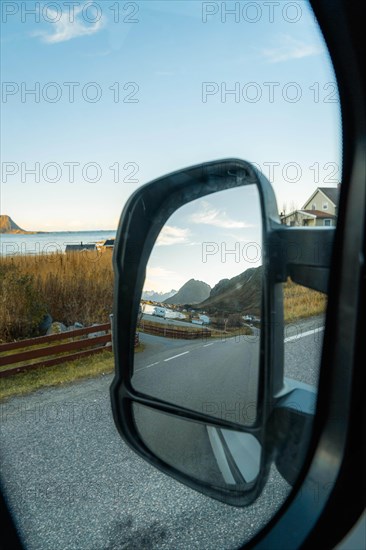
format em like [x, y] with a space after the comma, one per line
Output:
[290, 427]
[304, 254]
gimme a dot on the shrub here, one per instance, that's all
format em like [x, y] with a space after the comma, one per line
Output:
[235, 320]
[21, 305]
[218, 322]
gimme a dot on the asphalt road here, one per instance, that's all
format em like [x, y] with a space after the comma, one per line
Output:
[72, 483]
[200, 374]
[212, 376]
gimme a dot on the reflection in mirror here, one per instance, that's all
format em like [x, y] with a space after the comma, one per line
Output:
[199, 320]
[223, 458]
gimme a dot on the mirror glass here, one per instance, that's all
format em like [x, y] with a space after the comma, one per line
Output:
[200, 313]
[224, 458]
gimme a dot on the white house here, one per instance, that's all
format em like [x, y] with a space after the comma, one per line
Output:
[320, 210]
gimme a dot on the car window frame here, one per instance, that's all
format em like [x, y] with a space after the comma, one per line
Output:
[300, 523]
[340, 24]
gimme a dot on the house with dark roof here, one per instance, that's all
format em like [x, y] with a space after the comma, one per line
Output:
[109, 243]
[320, 210]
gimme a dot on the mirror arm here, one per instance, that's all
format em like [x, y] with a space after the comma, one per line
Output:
[304, 254]
[289, 429]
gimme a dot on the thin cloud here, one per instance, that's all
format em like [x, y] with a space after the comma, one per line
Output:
[208, 215]
[289, 48]
[170, 235]
[66, 29]
[159, 272]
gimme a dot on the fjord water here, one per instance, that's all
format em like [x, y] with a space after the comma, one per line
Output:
[49, 243]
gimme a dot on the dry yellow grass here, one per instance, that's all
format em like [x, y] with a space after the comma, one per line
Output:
[76, 287]
[301, 302]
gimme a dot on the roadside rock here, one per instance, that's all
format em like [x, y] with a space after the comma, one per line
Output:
[96, 334]
[45, 324]
[75, 326]
[56, 328]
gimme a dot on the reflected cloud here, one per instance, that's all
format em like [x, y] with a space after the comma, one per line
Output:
[209, 215]
[159, 279]
[170, 235]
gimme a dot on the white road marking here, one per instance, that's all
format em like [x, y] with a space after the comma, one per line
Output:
[220, 455]
[288, 339]
[303, 334]
[175, 356]
[148, 366]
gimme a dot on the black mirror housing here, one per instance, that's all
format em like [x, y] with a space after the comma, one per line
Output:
[141, 222]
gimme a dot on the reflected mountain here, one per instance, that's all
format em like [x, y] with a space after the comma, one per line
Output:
[241, 294]
[192, 292]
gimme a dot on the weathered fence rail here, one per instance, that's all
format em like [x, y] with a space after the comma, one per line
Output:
[17, 357]
[169, 332]
[76, 341]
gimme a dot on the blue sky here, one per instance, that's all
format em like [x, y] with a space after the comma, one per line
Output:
[162, 60]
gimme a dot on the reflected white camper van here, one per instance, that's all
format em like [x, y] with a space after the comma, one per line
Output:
[159, 311]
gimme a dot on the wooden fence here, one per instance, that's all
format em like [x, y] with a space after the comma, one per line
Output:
[33, 353]
[76, 341]
[170, 332]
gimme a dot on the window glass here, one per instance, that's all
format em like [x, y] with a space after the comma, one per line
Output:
[98, 99]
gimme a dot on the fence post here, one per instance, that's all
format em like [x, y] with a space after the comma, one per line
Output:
[111, 322]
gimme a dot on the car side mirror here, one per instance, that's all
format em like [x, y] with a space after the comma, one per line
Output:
[169, 408]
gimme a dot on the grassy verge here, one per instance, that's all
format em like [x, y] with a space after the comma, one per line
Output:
[46, 377]
[230, 333]
[26, 382]
[301, 302]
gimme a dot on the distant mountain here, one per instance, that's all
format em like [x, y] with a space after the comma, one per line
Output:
[7, 225]
[154, 296]
[241, 294]
[192, 292]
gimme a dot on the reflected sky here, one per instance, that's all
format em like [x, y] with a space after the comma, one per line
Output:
[215, 237]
